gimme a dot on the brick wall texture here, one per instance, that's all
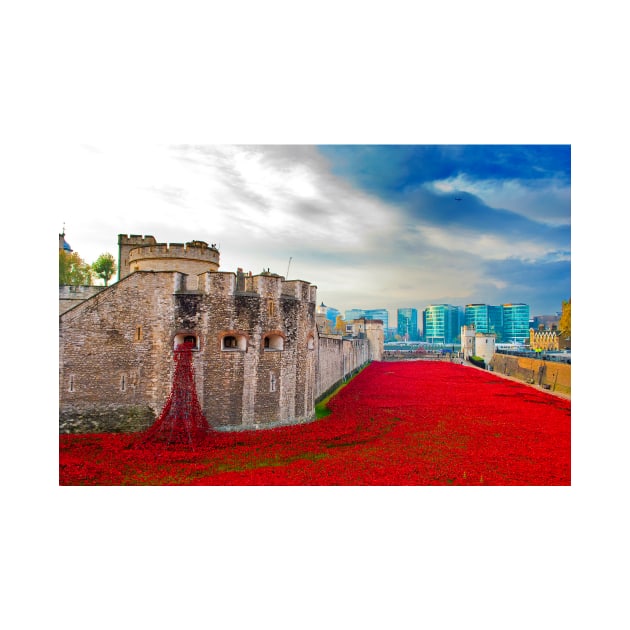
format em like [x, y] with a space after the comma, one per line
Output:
[116, 351]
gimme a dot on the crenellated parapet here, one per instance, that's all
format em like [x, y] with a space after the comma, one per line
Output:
[190, 251]
[268, 286]
[300, 290]
[144, 253]
[136, 240]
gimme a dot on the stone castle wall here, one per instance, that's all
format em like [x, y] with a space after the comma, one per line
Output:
[71, 295]
[112, 372]
[338, 357]
[116, 350]
[376, 337]
[258, 359]
[256, 384]
[549, 374]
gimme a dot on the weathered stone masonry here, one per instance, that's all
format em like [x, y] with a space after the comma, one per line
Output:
[258, 360]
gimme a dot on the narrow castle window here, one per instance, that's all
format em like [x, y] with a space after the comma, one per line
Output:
[273, 342]
[138, 334]
[234, 342]
[71, 384]
[272, 382]
[271, 309]
[310, 344]
[186, 338]
[122, 383]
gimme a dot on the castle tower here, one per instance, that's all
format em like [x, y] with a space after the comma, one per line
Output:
[376, 338]
[468, 340]
[143, 253]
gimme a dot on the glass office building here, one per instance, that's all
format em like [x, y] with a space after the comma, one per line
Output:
[495, 321]
[408, 324]
[378, 313]
[516, 322]
[440, 323]
[485, 318]
[476, 315]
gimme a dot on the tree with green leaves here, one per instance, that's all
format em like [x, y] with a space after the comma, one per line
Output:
[104, 267]
[73, 270]
[564, 325]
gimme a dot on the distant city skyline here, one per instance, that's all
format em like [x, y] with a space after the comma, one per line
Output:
[374, 227]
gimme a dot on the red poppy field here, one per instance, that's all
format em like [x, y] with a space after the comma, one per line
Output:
[404, 423]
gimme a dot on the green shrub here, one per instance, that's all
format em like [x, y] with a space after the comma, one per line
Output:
[478, 361]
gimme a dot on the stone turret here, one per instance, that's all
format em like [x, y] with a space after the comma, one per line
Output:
[143, 253]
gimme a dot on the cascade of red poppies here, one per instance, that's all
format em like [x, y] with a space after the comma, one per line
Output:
[181, 420]
[396, 423]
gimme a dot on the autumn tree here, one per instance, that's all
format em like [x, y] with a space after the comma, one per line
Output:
[104, 267]
[340, 325]
[73, 270]
[564, 325]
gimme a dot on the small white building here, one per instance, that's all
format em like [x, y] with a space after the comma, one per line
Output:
[477, 343]
[468, 341]
[485, 346]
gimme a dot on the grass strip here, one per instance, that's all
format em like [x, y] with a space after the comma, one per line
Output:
[321, 408]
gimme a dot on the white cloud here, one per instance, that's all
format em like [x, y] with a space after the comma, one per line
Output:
[483, 246]
[547, 201]
[266, 205]
[253, 203]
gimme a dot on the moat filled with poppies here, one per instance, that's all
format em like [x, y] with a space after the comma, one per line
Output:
[395, 423]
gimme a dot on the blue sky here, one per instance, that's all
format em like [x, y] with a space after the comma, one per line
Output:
[373, 226]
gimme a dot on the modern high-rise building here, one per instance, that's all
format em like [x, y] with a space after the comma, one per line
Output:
[408, 323]
[516, 322]
[354, 313]
[495, 321]
[378, 313]
[440, 323]
[476, 315]
[485, 318]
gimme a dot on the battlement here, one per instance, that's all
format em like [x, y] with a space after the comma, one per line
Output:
[264, 285]
[194, 250]
[136, 239]
[299, 289]
[144, 253]
[198, 263]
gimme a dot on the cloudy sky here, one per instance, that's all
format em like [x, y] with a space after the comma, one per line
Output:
[380, 226]
[370, 227]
